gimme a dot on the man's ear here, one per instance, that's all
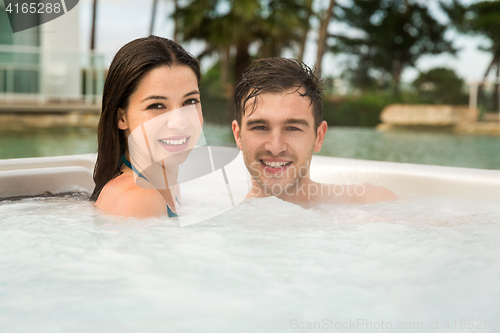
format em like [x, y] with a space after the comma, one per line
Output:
[122, 121]
[236, 133]
[320, 136]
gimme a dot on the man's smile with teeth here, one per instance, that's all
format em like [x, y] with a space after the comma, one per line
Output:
[275, 164]
[174, 142]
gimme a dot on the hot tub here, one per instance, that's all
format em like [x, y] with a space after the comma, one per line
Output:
[428, 262]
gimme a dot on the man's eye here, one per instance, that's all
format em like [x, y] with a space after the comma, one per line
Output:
[191, 101]
[293, 128]
[258, 128]
[156, 106]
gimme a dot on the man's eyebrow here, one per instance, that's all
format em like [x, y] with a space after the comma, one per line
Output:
[296, 121]
[194, 92]
[257, 122]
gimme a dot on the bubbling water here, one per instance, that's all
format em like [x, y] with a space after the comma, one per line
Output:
[264, 266]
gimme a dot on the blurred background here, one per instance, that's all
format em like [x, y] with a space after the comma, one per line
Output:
[412, 81]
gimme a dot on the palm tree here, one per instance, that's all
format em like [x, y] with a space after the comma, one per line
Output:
[393, 35]
[153, 16]
[481, 18]
[92, 33]
[306, 15]
[322, 35]
[236, 25]
[284, 26]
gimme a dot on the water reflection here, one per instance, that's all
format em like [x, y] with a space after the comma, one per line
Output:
[47, 142]
[433, 148]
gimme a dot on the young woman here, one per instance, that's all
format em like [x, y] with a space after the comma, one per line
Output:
[151, 119]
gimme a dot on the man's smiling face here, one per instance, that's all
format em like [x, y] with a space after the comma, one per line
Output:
[278, 139]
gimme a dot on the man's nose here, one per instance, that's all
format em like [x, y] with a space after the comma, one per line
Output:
[275, 143]
[177, 121]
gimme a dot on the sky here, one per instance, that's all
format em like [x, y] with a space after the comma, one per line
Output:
[120, 21]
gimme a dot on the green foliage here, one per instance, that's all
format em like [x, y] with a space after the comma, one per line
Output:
[392, 35]
[212, 76]
[480, 18]
[215, 106]
[272, 25]
[349, 111]
[440, 86]
[361, 110]
[214, 98]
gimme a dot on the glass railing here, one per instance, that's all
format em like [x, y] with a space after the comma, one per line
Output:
[31, 73]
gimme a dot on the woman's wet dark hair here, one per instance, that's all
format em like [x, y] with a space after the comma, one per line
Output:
[130, 64]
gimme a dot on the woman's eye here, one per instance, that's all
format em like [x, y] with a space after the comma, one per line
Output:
[191, 101]
[156, 106]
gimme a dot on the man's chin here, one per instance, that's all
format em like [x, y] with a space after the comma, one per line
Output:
[277, 188]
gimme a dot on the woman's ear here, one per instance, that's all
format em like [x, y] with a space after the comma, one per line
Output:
[122, 120]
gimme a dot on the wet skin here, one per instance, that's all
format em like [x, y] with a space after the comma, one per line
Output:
[162, 90]
[278, 139]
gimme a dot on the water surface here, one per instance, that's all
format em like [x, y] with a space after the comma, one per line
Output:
[431, 148]
[68, 268]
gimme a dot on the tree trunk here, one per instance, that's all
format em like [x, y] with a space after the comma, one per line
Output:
[153, 16]
[495, 92]
[480, 87]
[303, 41]
[92, 76]
[176, 24]
[241, 62]
[396, 75]
[92, 33]
[224, 62]
[493, 61]
[302, 46]
[322, 35]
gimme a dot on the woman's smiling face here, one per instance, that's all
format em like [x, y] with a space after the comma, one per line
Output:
[171, 97]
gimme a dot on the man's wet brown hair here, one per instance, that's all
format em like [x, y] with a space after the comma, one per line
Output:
[275, 75]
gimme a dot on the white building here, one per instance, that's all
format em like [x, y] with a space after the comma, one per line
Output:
[45, 63]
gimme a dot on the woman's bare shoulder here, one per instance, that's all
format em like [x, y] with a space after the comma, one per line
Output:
[121, 196]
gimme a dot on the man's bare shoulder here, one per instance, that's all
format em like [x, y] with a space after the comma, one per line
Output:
[121, 196]
[364, 193]
[376, 193]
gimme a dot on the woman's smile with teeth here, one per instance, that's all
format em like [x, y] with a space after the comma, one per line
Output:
[173, 142]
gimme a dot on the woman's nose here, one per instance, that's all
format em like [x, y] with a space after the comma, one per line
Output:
[177, 121]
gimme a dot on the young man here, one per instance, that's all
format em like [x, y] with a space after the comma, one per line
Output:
[279, 123]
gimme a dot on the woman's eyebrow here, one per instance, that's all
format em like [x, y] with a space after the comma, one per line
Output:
[194, 92]
[154, 97]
